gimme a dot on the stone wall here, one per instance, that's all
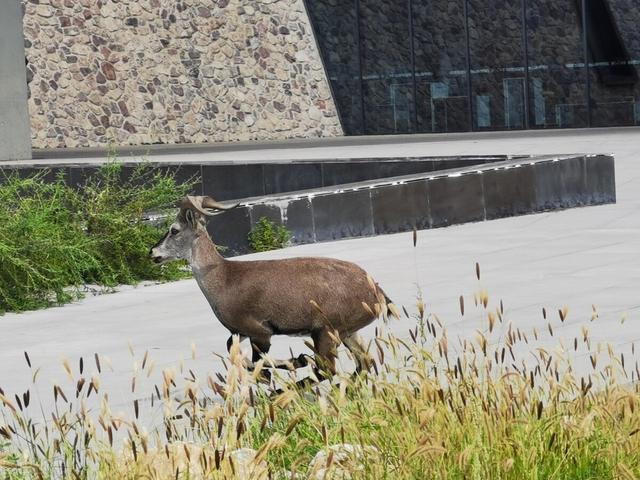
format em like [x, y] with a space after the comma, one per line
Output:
[167, 71]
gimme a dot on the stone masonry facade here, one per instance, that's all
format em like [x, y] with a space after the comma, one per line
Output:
[131, 72]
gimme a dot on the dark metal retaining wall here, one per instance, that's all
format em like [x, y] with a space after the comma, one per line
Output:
[482, 192]
[332, 199]
[241, 180]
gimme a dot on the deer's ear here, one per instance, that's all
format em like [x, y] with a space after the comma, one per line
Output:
[190, 217]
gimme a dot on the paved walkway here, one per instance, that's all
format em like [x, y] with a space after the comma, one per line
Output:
[577, 258]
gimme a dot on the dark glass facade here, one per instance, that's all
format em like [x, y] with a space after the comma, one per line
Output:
[426, 66]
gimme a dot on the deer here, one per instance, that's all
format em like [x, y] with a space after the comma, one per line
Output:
[326, 299]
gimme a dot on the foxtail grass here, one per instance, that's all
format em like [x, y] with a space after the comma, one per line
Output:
[501, 403]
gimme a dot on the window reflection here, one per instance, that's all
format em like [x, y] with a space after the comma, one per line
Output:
[440, 51]
[409, 66]
[557, 75]
[387, 67]
[497, 64]
[614, 56]
[334, 24]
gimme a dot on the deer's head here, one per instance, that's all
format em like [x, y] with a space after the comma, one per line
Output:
[189, 224]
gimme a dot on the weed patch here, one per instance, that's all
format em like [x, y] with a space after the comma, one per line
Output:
[54, 238]
[267, 235]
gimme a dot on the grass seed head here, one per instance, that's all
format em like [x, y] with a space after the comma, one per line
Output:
[563, 312]
[26, 357]
[67, 368]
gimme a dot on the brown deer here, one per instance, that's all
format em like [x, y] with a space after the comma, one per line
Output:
[326, 299]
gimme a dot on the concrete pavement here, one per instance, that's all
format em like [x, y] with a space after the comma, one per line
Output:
[578, 258]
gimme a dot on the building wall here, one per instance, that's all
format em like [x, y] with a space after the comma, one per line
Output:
[167, 71]
[426, 66]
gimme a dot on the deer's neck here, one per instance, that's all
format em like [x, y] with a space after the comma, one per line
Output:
[206, 262]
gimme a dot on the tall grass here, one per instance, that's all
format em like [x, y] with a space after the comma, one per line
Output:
[54, 238]
[431, 408]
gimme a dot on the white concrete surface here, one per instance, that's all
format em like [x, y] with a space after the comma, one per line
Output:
[579, 258]
[465, 143]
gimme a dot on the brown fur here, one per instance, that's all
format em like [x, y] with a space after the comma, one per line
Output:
[317, 297]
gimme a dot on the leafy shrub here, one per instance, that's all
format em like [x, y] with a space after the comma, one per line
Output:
[267, 235]
[114, 212]
[53, 237]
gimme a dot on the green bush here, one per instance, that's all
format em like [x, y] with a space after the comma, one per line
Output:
[267, 235]
[53, 237]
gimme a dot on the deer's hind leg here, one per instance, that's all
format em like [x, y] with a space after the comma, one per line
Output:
[230, 341]
[260, 346]
[360, 353]
[325, 354]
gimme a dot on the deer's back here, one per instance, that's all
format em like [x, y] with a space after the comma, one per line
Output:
[281, 293]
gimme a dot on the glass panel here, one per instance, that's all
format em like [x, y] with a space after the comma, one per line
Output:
[385, 49]
[558, 82]
[613, 39]
[497, 64]
[513, 89]
[442, 97]
[334, 23]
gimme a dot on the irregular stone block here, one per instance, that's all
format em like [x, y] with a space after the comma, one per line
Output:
[560, 183]
[456, 199]
[336, 173]
[342, 215]
[509, 192]
[230, 229]
[400, 208]
[601, 179]
[225, 182]
[272, 213]
[298, 219]
[291, 177]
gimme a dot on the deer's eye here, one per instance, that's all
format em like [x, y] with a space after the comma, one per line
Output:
[174, 231]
